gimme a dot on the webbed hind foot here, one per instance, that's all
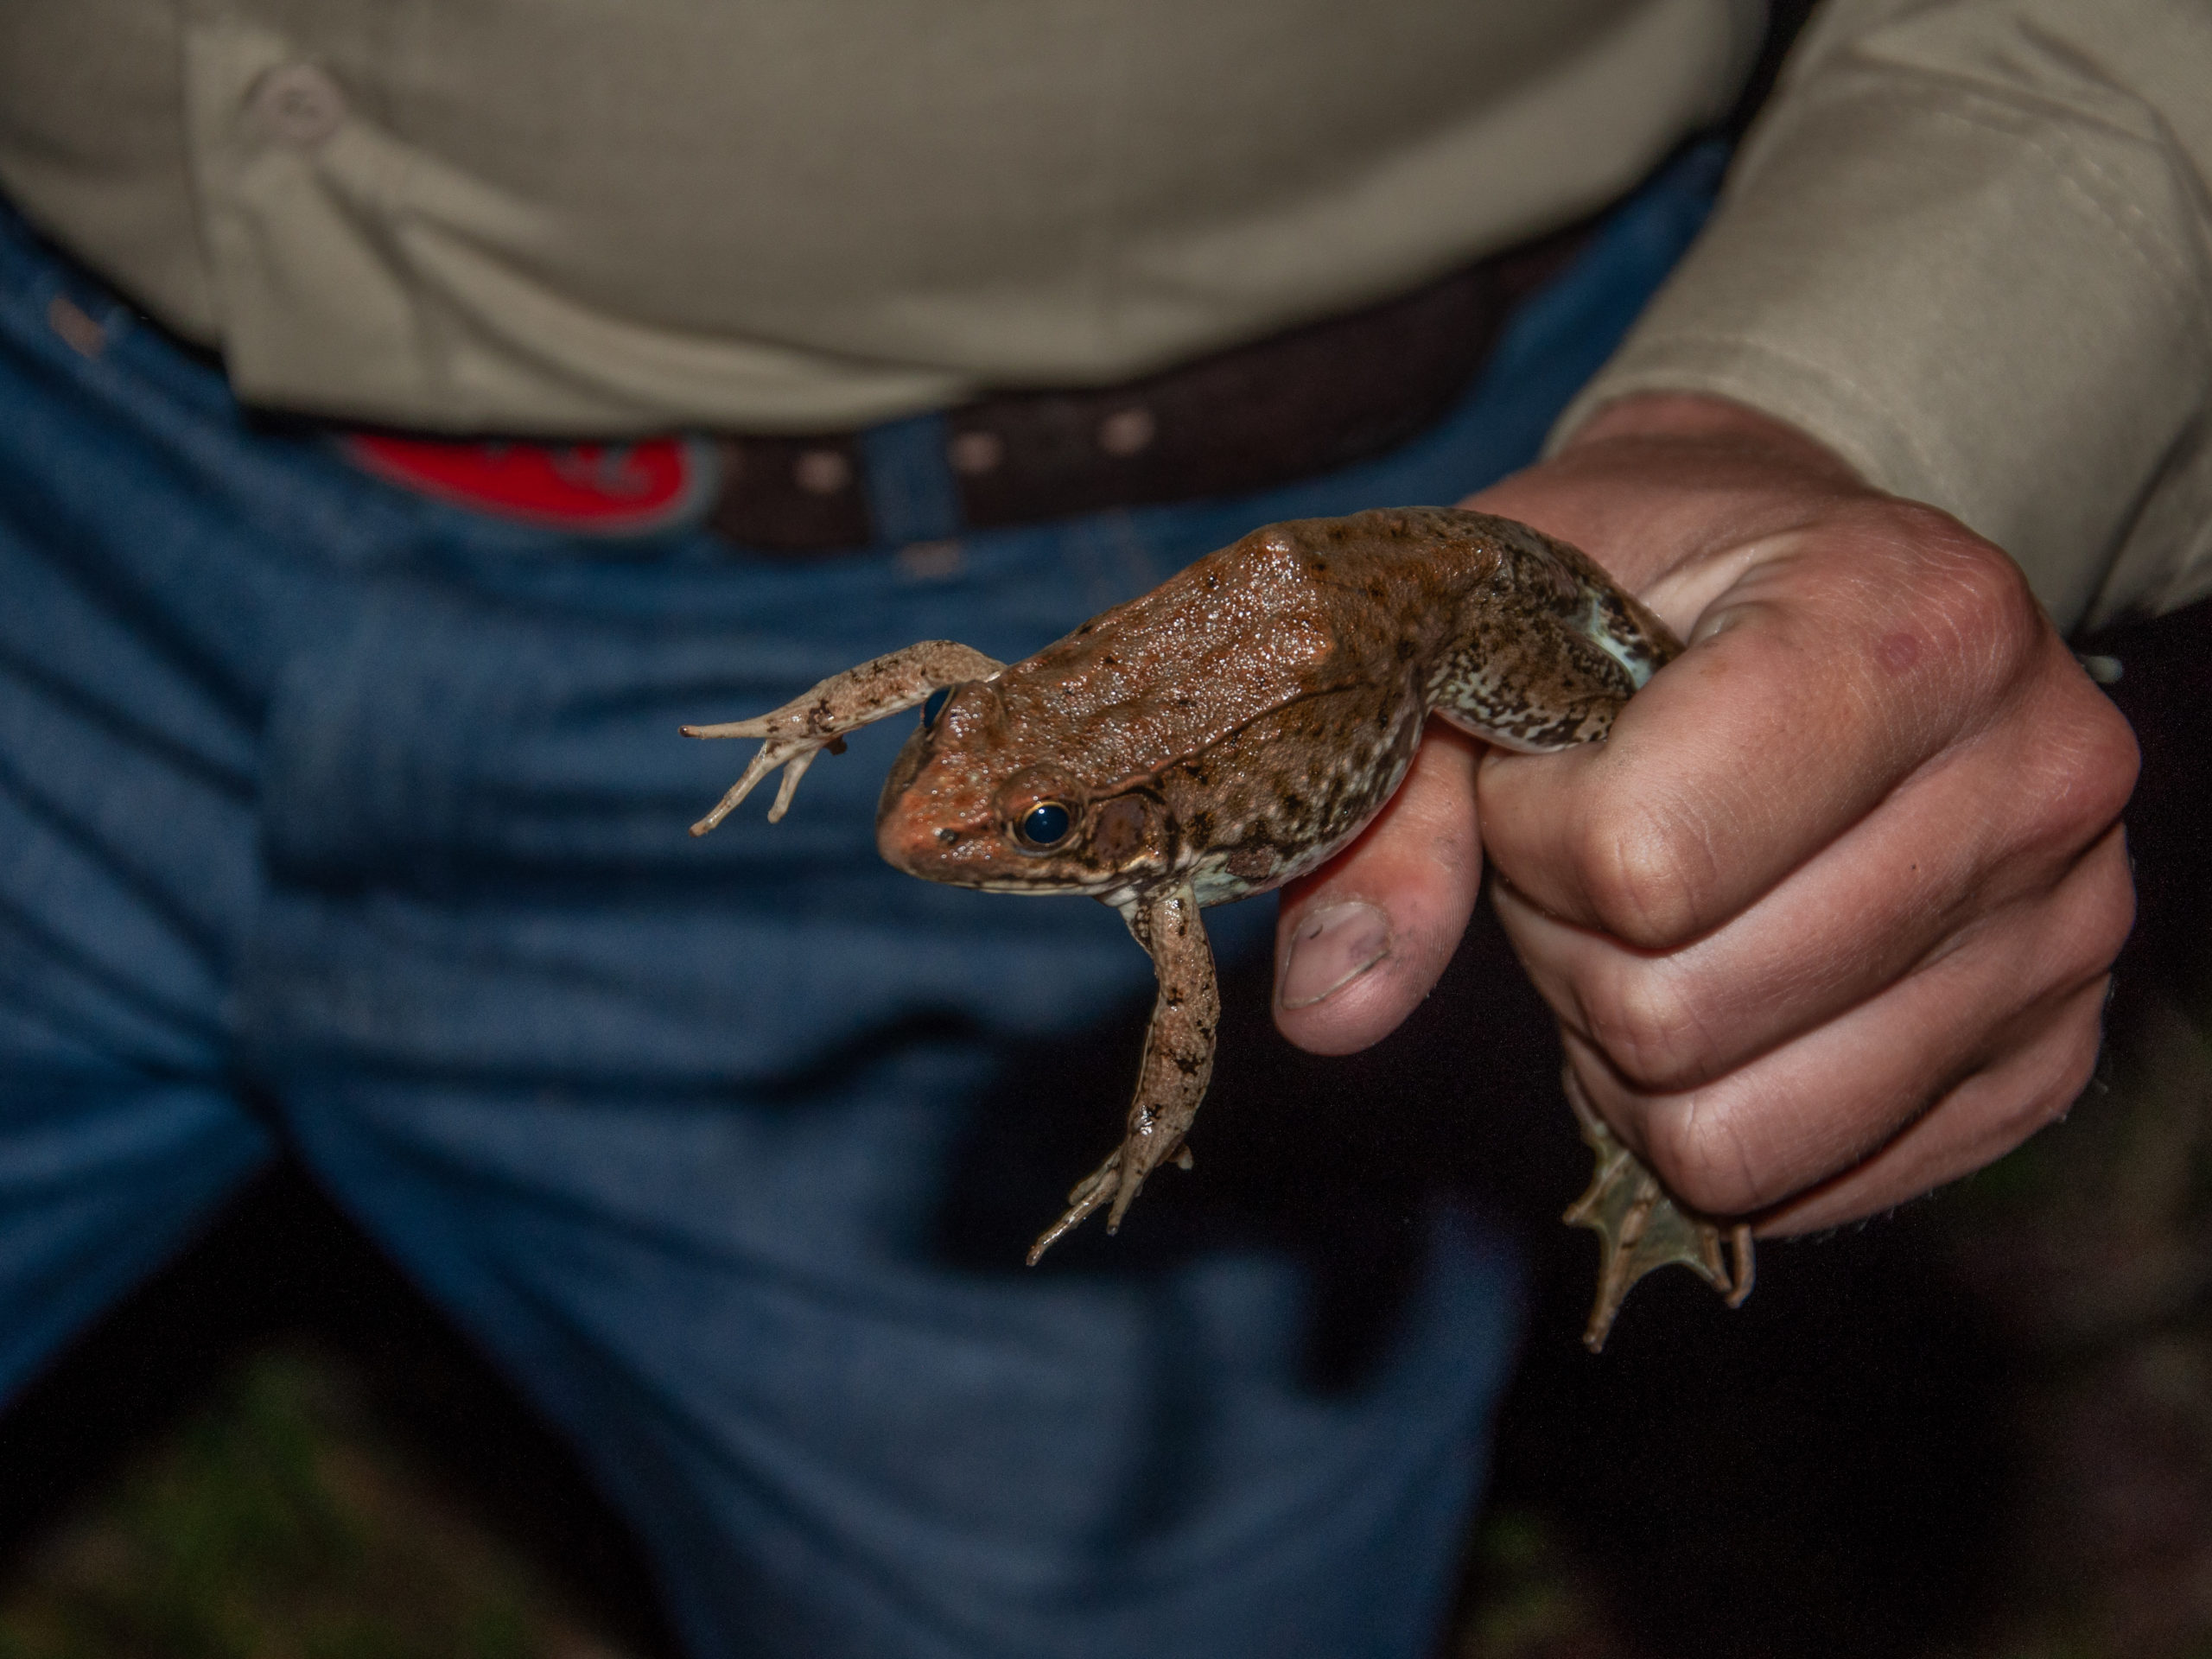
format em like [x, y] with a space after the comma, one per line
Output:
[1641, 1227]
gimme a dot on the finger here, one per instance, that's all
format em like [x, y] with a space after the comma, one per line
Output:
[1834, 1097]
[1981, 1120]
[1997, 821]
[1363, 939]
[1830, 671]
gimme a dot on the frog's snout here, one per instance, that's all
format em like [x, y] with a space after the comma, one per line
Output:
[912, 757]
[901, 835]
[906, 842]
[927, 824]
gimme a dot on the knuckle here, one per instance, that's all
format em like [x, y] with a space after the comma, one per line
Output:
[1700, 1155]
[2077, 1062]
[1966, 603]
[2066, 782]
[2107, 910]
[2118, 762]
[2077, 1066]
[2086, 920]
[2096, 753]
[1644, 876]
[1968, 587]
[2048, 1093]
[1652, 1025]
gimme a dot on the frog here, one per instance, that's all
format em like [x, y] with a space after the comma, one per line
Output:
[1228, 731]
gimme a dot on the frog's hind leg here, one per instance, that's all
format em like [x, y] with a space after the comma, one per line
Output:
[1641, 1227]
[1178, 1063]
[1548, 654]
[794, 735]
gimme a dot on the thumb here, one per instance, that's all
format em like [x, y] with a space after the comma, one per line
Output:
[1363, 939]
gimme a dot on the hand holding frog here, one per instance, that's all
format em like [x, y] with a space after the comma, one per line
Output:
[1828, 920]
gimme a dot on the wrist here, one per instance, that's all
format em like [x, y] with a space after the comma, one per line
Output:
[1655, 483]
[1690, 417]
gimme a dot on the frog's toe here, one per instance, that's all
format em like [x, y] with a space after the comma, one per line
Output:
[763, 763]
[1125, 1191]
[794, 755]
[794, 770]
[759, 726]
[1093, 1190]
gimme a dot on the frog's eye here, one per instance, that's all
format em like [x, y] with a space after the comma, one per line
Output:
[934, 705]
[1046, 825]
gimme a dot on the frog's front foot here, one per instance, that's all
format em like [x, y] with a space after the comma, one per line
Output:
[795, 754]
[1178, 1060]
[1101, 1185]
[1640, 1227]
[1093, 1190]
[792, 736]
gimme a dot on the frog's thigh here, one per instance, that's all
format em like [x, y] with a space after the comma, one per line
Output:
[1533, 693]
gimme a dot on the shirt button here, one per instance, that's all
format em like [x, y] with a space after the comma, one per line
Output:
[974, 454]
[930, 560]
[821, 472]
[1127, 432]
[298, 104]
[87, 337]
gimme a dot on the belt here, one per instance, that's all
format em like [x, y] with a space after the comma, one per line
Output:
[1299, 402]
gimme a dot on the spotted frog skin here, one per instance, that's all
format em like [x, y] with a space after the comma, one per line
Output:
[1228, 731]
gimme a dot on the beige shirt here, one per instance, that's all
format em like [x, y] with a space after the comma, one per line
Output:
[608, 216]
[1968, 247]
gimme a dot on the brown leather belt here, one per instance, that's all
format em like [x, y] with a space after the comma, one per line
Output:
[1284, 408]
[1281, 409]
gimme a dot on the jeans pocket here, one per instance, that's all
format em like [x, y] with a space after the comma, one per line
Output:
[475, 818]
[443, 738]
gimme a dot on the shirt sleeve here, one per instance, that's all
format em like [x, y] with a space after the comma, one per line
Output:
[1969, 247]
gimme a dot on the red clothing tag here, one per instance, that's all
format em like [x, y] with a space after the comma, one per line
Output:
[590, 489]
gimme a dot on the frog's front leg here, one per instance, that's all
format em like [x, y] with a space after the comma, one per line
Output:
[1178, 1060]
[794, 735]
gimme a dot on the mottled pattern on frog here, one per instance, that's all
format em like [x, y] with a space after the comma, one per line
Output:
[1547, 662]
[1240, 723]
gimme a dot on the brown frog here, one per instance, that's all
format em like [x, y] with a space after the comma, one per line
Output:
[1228, 731]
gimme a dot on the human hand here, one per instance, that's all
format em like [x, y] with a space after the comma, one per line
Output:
[1828, 919]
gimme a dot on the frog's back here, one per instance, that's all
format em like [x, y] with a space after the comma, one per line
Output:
[1170, 674]
[1287, 613]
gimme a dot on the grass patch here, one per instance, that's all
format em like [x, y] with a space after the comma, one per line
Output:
[279, 1522]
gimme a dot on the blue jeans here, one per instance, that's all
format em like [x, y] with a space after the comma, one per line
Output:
[336, 819]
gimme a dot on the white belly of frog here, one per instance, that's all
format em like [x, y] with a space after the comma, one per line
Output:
[1228, 731]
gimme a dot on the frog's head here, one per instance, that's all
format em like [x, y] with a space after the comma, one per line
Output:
[966, 804]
